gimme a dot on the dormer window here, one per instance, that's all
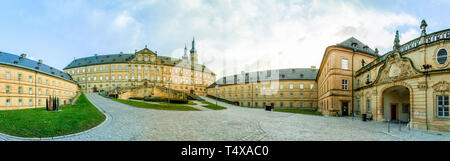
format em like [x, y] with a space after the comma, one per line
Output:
[363, 63]
[368, 79]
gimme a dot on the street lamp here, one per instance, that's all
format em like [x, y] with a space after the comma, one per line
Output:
[217, 88]
[168, 93]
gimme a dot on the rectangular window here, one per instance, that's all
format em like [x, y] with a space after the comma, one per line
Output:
[281, 86]
[8, 75]
[19, 77]
[344, 84]
[368, 106]
[311, 86]
[291, 86]
[344, 64]
[31, 90]
[8, 102]
[442, 110]
[301, 86]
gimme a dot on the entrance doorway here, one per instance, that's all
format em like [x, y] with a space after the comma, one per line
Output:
[344, 108]
[393, 112]
[396, 102]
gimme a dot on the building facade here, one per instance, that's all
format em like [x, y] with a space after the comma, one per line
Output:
[409, 83]
[25, 83]
[284, 88]
[336, 73]
[109, 72]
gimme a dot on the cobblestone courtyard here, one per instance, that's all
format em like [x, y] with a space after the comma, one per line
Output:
[234, 124]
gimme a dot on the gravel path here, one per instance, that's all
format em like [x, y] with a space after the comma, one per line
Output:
[235, 123]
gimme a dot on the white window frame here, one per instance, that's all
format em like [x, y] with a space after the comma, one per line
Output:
[344, 84]
[441, 107]
[344, 63]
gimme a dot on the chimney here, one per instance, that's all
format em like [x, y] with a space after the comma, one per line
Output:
[40, 61]
[313, 67]
[23, 56]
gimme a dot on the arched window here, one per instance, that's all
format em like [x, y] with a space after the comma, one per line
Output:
[442, 56]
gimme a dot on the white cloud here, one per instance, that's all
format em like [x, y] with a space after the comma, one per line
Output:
[236, 35]
[409, 35]
[123, 20]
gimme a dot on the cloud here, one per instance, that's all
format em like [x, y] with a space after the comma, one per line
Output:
[237, 35]
[409, 35]
[254, 35]
[123, 20]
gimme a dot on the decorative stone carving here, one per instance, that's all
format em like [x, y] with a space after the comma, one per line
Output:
[441, 86]
[422, 86]
[396, 69]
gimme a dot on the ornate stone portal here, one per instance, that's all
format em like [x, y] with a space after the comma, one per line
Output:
[396, 68]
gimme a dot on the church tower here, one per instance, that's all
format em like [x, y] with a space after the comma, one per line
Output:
[193, 55]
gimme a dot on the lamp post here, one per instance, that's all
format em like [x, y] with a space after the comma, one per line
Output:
[217, 88]
[168, 93]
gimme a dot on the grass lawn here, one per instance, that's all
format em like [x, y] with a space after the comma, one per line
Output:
[160, 106]
[191, 103]
[212, 106]
[38, 122]
[307, 112]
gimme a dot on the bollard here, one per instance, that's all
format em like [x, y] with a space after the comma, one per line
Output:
[409, 125]
[389, 126]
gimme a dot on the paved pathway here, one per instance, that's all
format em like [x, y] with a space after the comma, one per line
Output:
[235, 123]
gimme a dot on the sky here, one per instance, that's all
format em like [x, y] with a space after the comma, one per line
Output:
[231, 35]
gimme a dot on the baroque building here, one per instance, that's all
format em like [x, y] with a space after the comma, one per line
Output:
[283, 88]
[336, 73]
[409, 83]
[25, 83]
[144, 67]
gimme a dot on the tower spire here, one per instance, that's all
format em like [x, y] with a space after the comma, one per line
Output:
[193, 45]
[185, 56]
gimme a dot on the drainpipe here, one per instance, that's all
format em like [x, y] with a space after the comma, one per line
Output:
[353, 76]
[35, 89]
[426, 102]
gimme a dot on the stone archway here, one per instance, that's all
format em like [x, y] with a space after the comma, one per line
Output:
[396, 102]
